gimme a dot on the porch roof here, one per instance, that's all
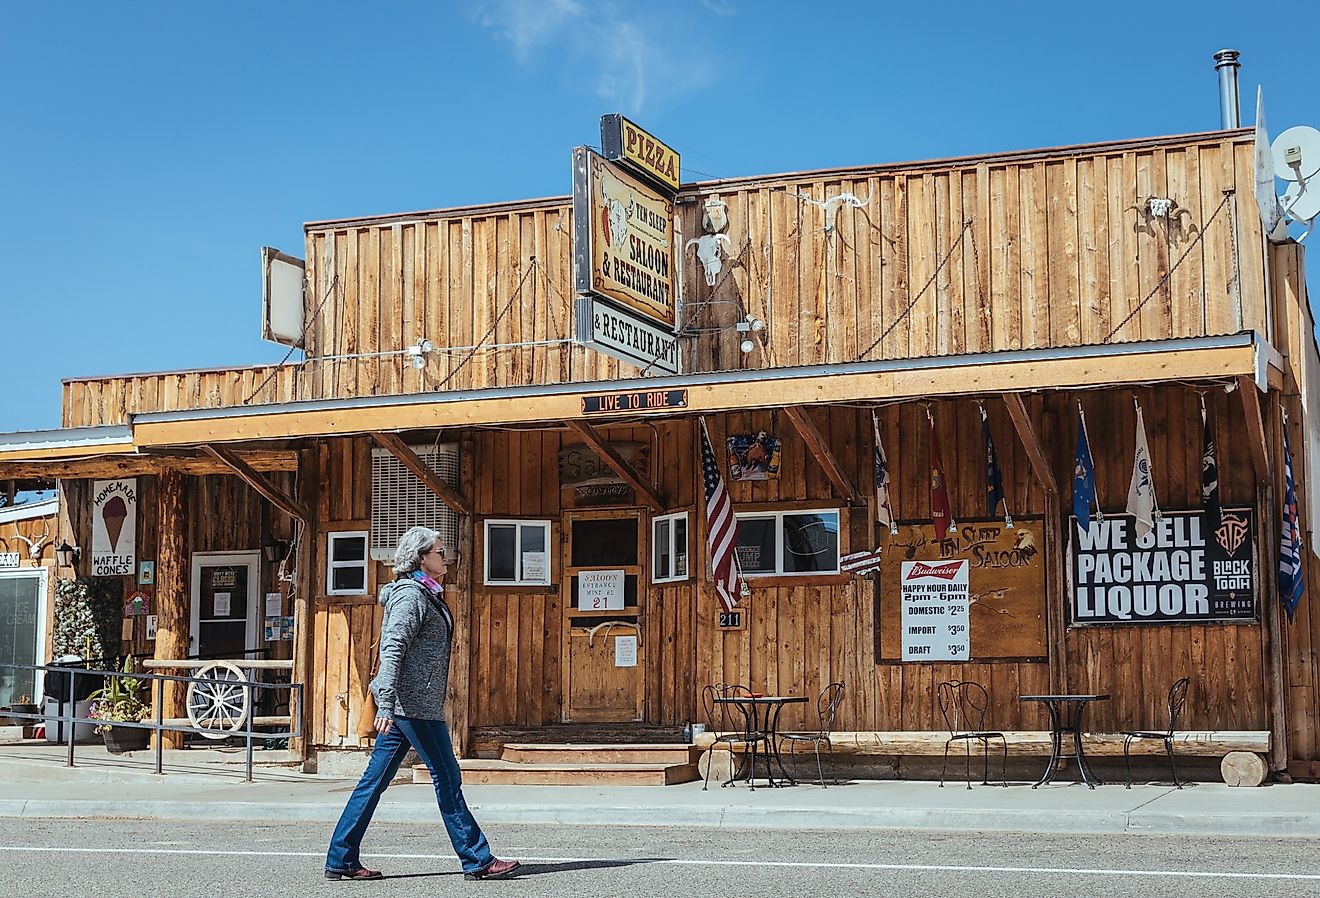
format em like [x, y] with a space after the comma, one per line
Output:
[1244, 354]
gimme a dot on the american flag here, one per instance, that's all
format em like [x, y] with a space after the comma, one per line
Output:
[721, 527]
[1290, 545]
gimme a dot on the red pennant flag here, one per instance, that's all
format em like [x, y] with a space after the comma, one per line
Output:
[940, 510]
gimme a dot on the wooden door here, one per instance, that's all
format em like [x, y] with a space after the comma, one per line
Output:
[604, 640]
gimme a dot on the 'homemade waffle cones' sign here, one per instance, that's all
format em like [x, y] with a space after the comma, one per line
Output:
[114, 528]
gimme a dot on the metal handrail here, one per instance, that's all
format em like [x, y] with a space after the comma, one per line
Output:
[159, 726]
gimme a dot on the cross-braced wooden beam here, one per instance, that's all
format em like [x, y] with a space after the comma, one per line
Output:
[615, 461]
[258, 482]
[1260, 453]
[821, 450]
[1026, 432]
[422, 471]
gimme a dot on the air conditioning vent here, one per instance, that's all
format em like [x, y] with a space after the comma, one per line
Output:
[399, 500]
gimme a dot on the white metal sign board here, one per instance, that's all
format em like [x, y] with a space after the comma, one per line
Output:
[935, 610]
[627, 337]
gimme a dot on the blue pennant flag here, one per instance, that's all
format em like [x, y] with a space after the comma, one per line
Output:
[1290, 543]
[1083, 479]
[994, 478]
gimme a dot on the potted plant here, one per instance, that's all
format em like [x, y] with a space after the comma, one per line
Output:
[121, 701]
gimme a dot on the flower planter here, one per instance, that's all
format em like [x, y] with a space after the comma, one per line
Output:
[121, 739]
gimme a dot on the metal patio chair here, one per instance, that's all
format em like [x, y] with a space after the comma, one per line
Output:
[963, 704]
[733, 732]
[827, 706]
[1177, 701]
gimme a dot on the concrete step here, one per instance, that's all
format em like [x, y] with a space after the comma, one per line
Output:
[481, 771]
[615, 753]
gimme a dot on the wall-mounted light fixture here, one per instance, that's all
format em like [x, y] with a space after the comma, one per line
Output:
[67, 555]
[748, 327]
[275, 551]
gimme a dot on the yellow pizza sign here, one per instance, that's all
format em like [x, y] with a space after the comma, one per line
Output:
[625, 141]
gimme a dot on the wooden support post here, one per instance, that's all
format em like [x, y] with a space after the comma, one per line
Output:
[422, 471]
[1260, 453]
[607, 454]
[304, 611]
[258, 482]
[458, 707]
[1026, 432]
[172, 597]
[821, 450]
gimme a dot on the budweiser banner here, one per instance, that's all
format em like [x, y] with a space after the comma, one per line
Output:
[1182, 570]
[935, 602]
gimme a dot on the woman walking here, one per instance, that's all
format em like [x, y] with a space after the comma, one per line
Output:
[415, 637]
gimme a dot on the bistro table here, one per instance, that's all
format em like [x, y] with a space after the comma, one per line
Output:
[1066, 717]
[761, 715]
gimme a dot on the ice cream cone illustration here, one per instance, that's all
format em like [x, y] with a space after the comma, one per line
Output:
[114, 512]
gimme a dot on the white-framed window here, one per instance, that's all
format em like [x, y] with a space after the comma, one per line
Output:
[669, 548]
[788, 542]
[516, 553]
[346, 563]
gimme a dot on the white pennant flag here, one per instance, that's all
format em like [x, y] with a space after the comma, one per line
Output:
[1141, 502]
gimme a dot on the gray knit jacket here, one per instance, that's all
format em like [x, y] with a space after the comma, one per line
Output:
[414, 653]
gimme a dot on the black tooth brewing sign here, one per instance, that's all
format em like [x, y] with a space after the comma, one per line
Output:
[1182, 571]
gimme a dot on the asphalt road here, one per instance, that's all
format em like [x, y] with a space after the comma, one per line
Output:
[109, 858]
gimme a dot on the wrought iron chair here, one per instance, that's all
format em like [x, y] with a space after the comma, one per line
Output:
[827, 706]
[1177, 700]
[733, 731]
[963, 704]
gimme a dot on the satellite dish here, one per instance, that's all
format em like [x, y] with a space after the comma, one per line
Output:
[1297, 153]
[1302, 200]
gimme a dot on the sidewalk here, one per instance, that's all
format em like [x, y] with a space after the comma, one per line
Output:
[34, 783]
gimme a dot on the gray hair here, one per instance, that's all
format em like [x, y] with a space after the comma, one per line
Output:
[412, 546]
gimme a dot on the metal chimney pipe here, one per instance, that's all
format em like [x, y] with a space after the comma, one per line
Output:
[1226, 63]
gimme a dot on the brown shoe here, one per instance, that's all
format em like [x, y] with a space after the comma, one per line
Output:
[496, 869]
[359, 873]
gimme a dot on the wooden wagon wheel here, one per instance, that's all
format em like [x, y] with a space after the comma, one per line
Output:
[218, 701]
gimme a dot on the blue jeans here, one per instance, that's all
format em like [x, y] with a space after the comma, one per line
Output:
[431, 739]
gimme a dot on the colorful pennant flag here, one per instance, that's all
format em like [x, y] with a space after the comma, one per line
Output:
[1290, 536]
[1209, 475]
[884, 512]
[1141, 502]
[994, 478]
[940, 510]
[721, 527]
[1084, 476]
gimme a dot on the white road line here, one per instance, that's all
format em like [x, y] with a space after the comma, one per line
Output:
[703, 862]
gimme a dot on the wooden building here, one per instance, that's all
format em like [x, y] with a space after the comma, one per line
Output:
[1021, 284]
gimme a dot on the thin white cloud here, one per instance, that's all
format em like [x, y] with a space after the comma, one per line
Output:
[627, 58]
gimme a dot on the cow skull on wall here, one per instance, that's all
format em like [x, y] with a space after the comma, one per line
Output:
[708, 254]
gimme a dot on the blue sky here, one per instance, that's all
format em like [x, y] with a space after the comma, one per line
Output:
[151, 149]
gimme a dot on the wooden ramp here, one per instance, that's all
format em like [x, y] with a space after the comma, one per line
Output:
[528, 764]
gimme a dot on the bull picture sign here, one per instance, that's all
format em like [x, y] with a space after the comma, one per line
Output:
[1180, 571]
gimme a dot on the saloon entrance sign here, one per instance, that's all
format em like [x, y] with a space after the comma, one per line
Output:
[1180, 571]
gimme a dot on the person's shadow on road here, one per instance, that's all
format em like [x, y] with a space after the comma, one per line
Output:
[530, 869]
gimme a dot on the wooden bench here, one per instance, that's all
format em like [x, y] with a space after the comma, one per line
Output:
[1229, 745]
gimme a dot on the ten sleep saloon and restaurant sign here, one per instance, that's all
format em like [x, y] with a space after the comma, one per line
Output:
[624, 259]
[1180, 571]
